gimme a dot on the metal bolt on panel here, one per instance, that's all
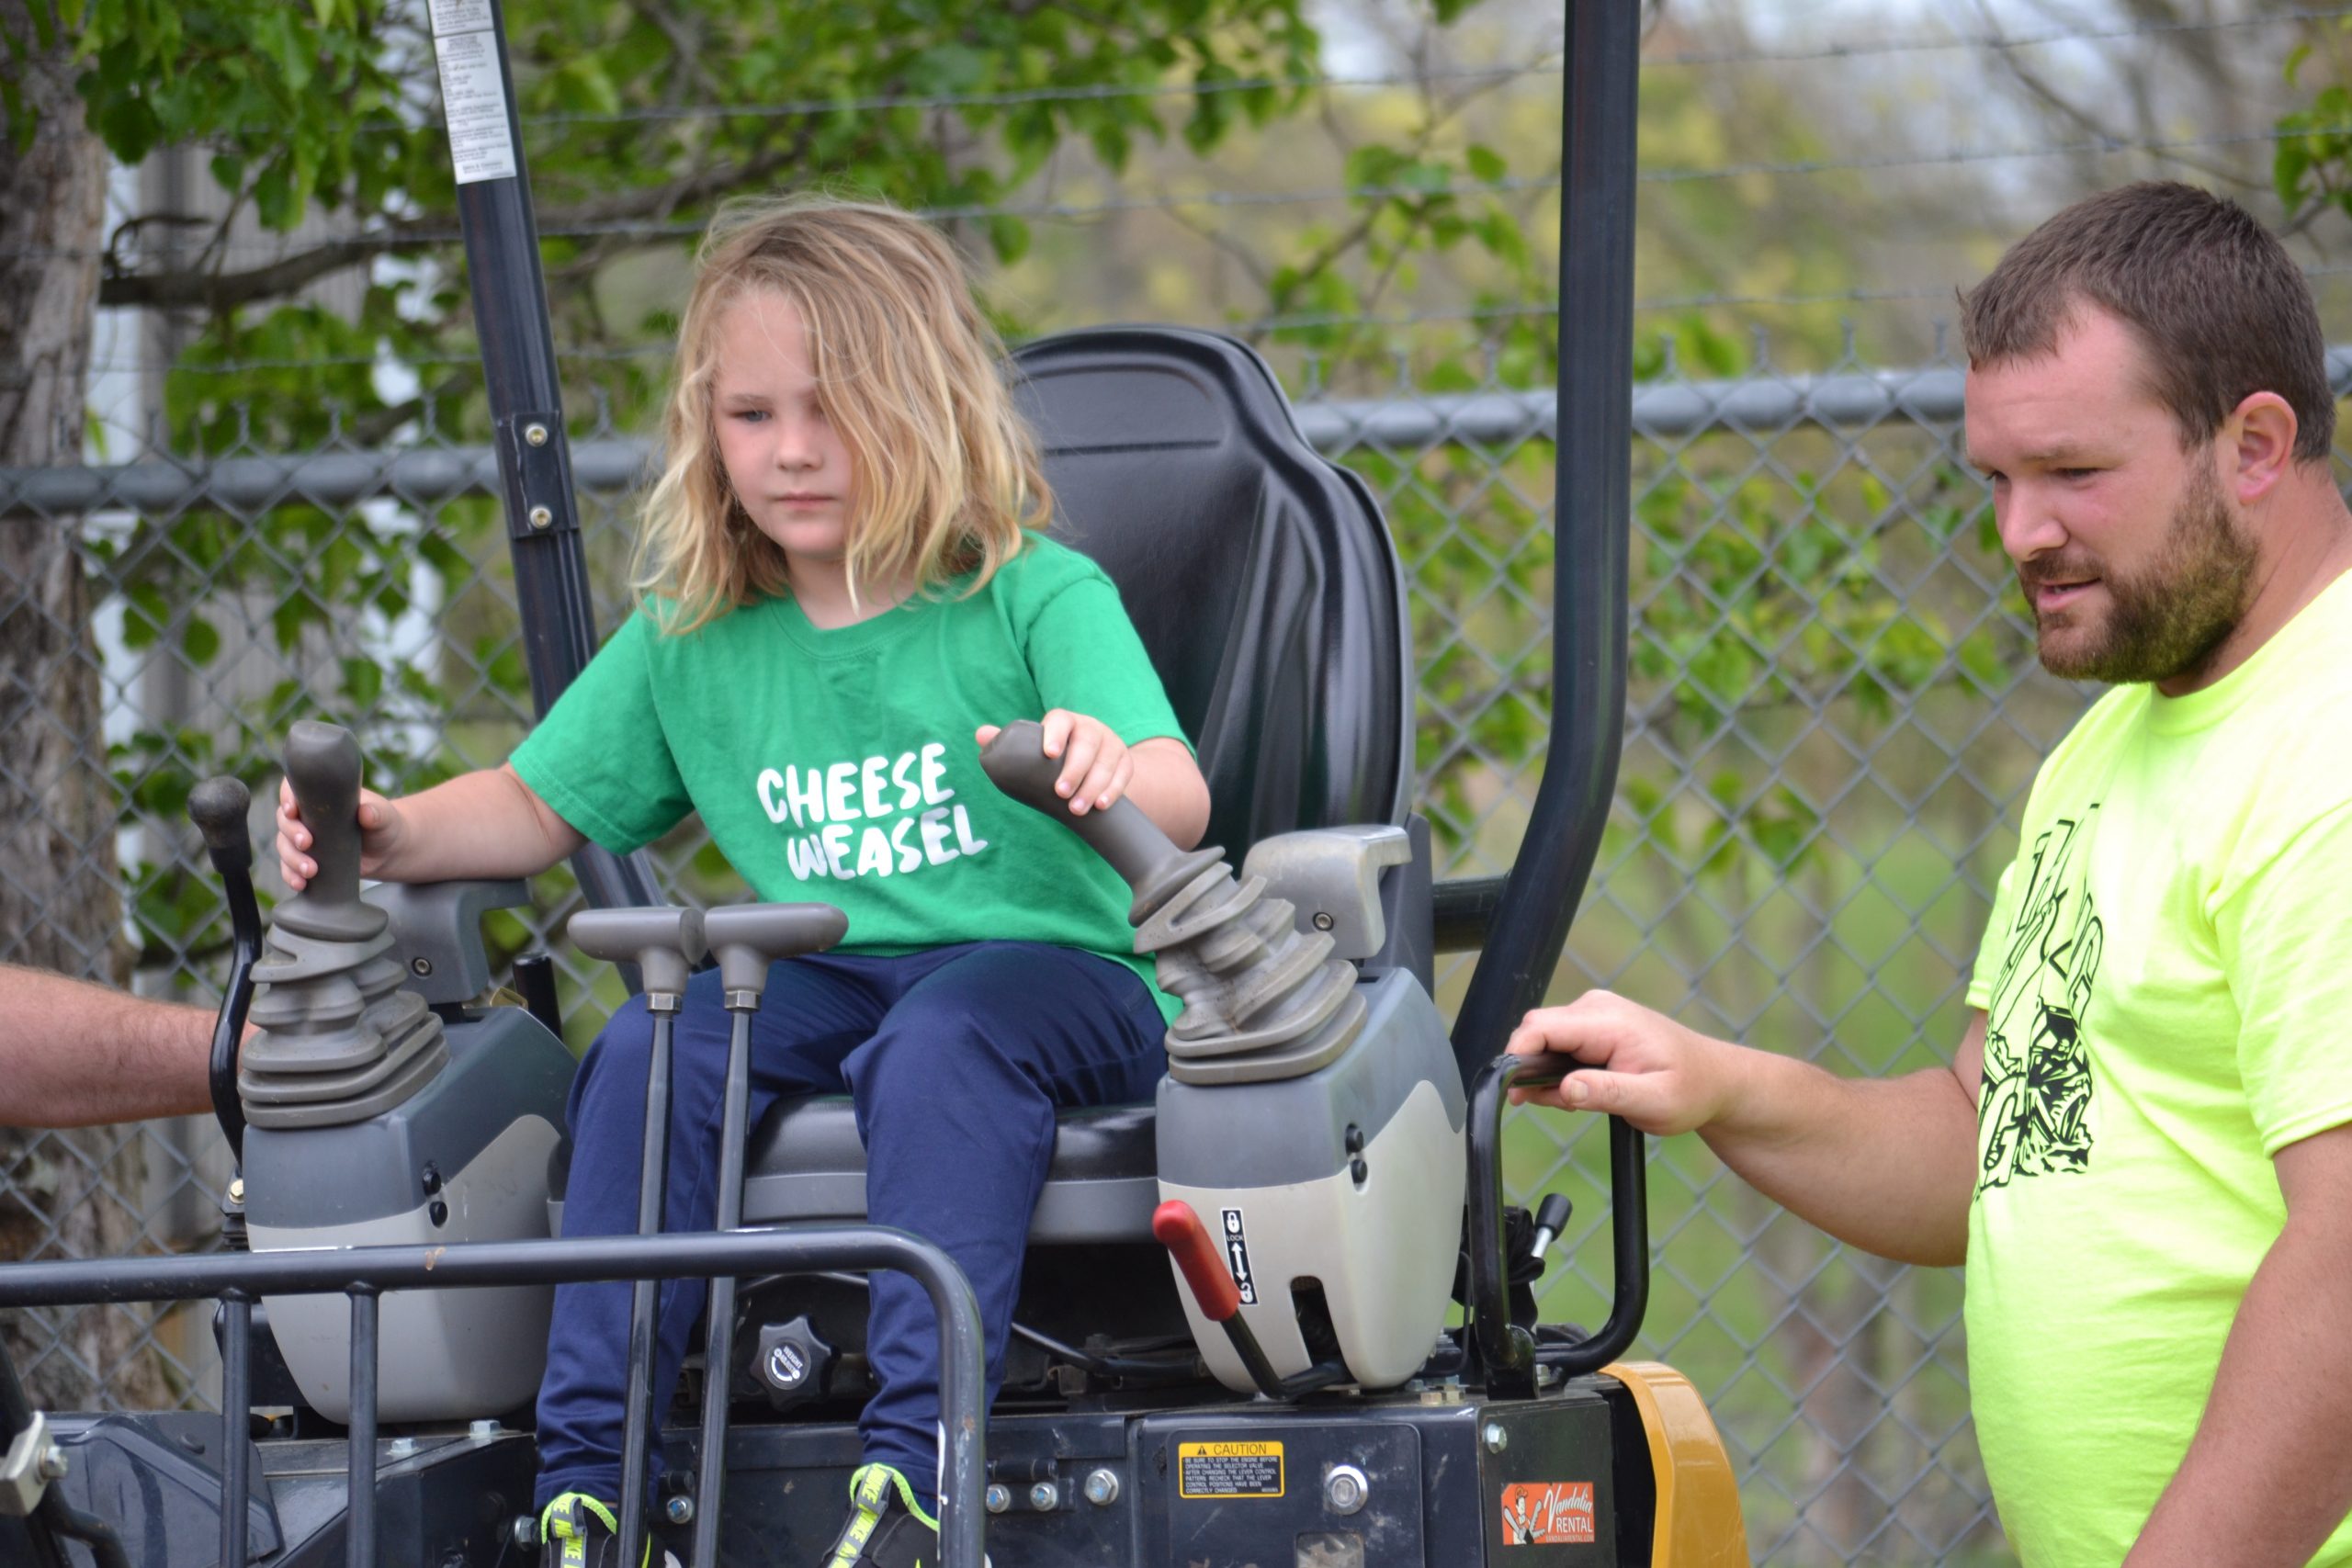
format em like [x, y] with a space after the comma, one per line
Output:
[1346, 1489]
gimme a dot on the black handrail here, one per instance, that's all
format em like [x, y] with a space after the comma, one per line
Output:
[1509, 1352]
[366, 1272]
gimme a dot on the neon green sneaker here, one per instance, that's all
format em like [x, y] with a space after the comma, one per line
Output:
[887, 1527]
[581, 1531]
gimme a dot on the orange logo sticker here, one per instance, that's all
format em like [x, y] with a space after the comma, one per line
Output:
[1548, 1513]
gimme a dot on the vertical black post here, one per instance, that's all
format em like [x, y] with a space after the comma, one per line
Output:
[359, 1464]
[519, 364]
[236, 1411]
[1591, 512]
[718, 1342]
[644, 1328]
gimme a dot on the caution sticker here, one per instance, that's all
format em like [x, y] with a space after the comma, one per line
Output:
[1229, 1470]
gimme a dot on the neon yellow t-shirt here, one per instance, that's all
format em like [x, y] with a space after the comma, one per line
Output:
[2168, 974]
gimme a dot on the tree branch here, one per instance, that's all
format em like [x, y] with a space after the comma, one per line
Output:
[223, 291]
[2033, 84]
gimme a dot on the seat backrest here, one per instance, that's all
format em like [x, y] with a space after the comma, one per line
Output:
[1263, 582]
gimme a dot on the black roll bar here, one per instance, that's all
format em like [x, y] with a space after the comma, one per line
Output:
[526, 398]
[1521, 922]
[1592, 511]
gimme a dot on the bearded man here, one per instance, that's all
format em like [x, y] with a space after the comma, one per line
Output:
[2143, 1146]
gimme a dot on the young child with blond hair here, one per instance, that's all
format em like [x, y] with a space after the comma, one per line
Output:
[845, 591]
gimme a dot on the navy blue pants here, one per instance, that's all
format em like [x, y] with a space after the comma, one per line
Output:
[956, 1058]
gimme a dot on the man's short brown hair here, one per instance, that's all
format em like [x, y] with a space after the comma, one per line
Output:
[2220, 308]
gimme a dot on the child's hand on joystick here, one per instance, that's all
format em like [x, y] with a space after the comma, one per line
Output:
[379, 831]
[1096, 764]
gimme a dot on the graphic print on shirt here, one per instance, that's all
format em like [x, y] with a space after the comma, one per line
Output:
[2034, 1117]
[869, 816]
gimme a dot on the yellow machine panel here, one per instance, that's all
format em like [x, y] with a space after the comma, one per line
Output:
[1699, 1522]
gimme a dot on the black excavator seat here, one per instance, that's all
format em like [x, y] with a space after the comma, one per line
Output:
[1269, 594]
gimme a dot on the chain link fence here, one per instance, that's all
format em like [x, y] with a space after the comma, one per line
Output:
[1834, 714]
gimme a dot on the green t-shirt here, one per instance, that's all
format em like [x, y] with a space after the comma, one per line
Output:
[2168, 974]
[838, 767]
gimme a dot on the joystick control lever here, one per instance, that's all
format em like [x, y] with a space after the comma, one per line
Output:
[217, 807]
[342, 1039]
[1263, 1001]
[323, 766]
[1144, 857]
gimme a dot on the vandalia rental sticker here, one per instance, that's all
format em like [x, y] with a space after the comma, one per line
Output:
[1548, 1513]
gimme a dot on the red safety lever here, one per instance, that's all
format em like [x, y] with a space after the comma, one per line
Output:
[1187, 1240]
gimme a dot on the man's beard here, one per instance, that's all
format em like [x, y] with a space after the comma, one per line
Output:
[2165, 622]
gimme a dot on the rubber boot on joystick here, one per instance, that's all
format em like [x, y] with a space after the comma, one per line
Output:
[339, 1041]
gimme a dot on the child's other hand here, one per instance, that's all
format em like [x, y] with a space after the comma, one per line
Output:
[1096, 764]
[380, 826]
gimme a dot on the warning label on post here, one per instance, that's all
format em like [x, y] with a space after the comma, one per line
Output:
[1228, 1470]
[473, 102]
[461, 16]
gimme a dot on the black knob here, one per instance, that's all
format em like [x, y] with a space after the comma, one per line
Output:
[217, 807]
[1551, 1219]
[790, 1363]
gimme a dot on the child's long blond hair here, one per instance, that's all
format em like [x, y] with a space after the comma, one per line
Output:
[946, 475]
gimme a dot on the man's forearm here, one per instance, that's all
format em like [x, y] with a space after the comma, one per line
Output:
[1885, 1164]
[78, 1055]
[2268, 1475]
